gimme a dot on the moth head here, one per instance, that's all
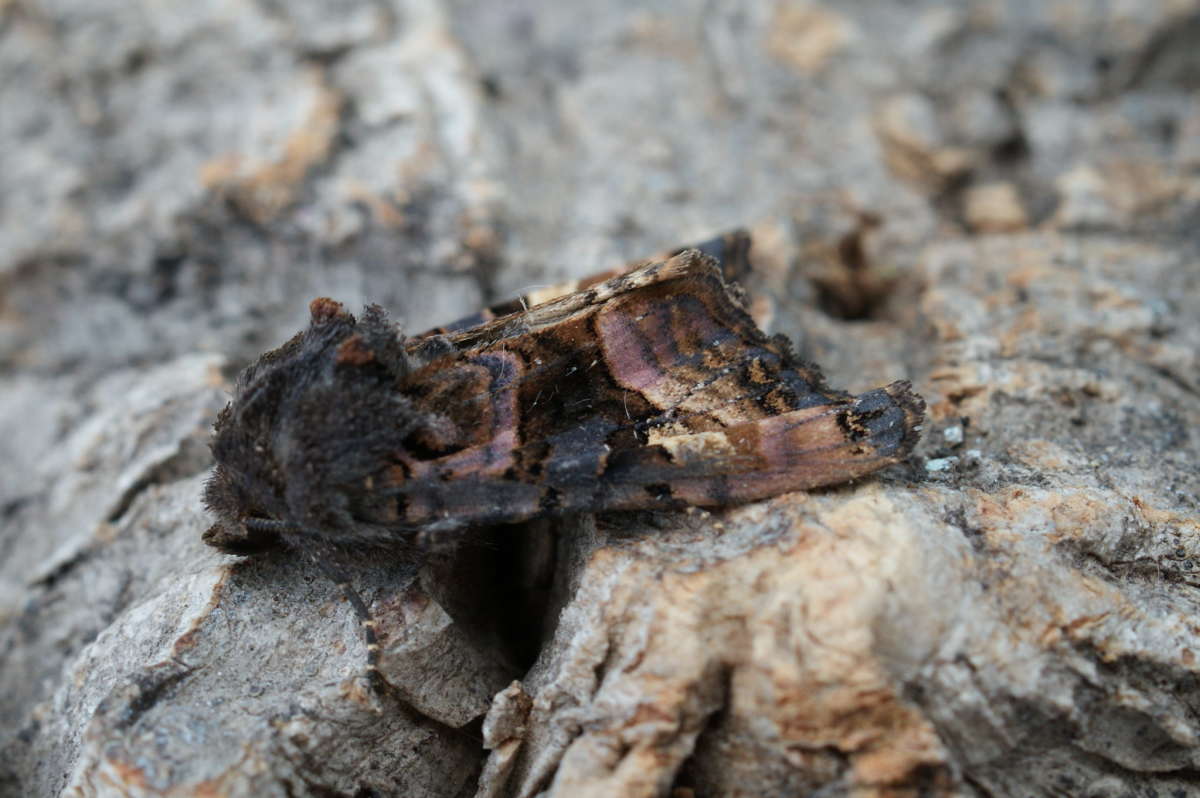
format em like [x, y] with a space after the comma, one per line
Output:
[309, 427]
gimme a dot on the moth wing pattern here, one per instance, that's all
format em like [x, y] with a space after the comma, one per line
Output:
[731, 251]
[654, 389]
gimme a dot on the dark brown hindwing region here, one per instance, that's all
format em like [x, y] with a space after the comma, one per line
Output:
[650, 390]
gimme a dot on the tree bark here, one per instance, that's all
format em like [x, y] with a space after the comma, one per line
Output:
[995, 201]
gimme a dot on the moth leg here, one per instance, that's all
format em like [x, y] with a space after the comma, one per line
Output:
[379, 685]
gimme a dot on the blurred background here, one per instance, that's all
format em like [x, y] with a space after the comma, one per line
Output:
[180, 177]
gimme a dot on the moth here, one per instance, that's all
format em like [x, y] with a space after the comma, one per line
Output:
[650, 390]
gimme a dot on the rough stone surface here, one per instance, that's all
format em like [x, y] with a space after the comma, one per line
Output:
[995, 200]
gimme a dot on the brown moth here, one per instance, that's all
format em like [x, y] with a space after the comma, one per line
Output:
[651, 390]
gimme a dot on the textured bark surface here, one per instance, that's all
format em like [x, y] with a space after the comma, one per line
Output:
[997, 201]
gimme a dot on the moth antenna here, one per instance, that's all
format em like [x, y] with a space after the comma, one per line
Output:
[366, 621]
[334, 574]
